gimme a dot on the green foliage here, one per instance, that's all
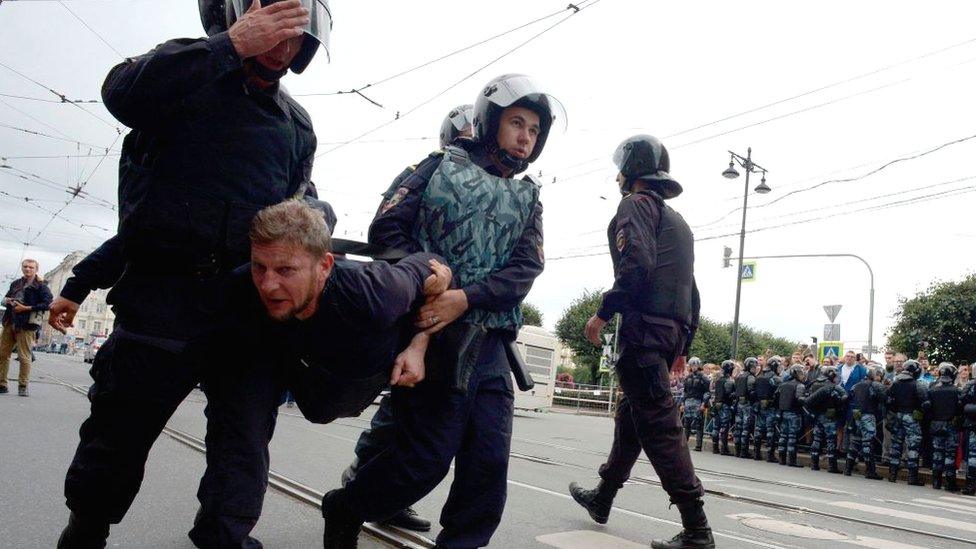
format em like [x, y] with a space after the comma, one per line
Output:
[569, 330]
[713, 341]
[532, 314]
[943, 316]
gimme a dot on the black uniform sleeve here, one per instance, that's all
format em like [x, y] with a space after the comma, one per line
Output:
[637, 218]
[380, 293]
[147, 91]
[98, 270]
[695, 317]
[505, 288]
[393, 225]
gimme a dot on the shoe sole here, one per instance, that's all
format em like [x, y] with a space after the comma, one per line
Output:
[405, 527]
[597, 518]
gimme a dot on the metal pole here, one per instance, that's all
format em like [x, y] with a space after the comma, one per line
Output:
[742, 245]
[613, 362]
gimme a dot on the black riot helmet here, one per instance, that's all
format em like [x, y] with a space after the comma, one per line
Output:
[695, 363]
[829, 373]
[644, 157]
[514, 90]
[948, 370]
[773, 364]
[456, 122]
[750, 364]
[912, 368]
[798, 373]
[219, 15]
[728, 367]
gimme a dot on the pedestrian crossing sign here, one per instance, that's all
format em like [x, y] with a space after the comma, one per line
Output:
[831, 349]
[748, 271]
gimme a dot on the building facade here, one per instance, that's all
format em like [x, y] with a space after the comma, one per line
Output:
[94, 318]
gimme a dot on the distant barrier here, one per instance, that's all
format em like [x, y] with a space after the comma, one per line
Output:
[585, 399]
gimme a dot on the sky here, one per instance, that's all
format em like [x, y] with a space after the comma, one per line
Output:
[820, 91]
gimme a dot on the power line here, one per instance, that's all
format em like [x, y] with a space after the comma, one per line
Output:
[578, 9]
[49, 136]
[62, 96]
[832, 215]
[43, 181]
[34, 118]
[42, 100]
[93, 31]
[52, 156]
[435, 60]
[847, 179]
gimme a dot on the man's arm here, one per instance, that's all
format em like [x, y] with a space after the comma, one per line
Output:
[147, 91]
[379, 294]
[98, 270]
[695, 316]
[637, 218]
[505, 288]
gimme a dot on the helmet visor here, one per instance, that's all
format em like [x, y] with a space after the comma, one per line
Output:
[319, 26]
[506, 92]
[461, 117]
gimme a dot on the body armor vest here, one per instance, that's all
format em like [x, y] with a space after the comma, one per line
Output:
[474, 221]
[724, 390]
[696, 386]
[766, 385]
[787, 396]
[743, 387]
[903, 394]
[945, 401]
[867, 394]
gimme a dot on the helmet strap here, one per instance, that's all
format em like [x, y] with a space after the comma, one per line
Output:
[506, 159]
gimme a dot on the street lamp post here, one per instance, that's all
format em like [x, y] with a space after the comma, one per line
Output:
[731, 173]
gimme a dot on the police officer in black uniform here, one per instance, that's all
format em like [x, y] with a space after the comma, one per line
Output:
[696, 397]
[789, 397]
[654, 290]
[826, 402]
[723, 406]
[945, 407]
[867, 404]
[969, 426]
[745, 396]
[214, 139]
[907, 399]
[765, 408]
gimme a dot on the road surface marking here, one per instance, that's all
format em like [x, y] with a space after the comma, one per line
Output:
[927, 519]
[767, 524]
[587, 539]
[947, 505]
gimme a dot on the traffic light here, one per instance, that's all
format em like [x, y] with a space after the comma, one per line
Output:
[727, 260]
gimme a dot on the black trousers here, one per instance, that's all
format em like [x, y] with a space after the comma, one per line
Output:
[372, 441]
[136, 389]
[647, 419]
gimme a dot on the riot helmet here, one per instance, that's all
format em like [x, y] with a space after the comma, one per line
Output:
[829, 373]
[797, 372]
[644, 157]
[219, 15]
[774, 363]
[455, 123]
[728, 367]
[948, 370]
[912, 368]
[695, 363]
[750, 364]
[514, 90]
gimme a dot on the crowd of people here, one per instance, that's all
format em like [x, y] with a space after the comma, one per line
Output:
[902, 414]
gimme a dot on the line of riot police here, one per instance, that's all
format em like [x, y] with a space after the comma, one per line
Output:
[771, 406]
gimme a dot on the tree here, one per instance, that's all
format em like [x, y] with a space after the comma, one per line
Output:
[941, 320]
[569, 330]
[713, 341]
[532, 314]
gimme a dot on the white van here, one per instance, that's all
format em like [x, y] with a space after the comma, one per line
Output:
[540, 350]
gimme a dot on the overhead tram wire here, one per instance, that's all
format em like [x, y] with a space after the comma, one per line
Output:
[578, 8]
[834, 214]
[49, 136]
[35, 119]
[93, 31]
[62, 96]
[45, 182]
[437, 59]
[792, 98]
[846, 179]
[43, 100]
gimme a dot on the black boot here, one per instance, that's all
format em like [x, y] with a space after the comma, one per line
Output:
[81, 533]
[725, 447]
[814, 462]
[695, 534]
[871, 472]
[597, 501]
[758, 452]
[848, 467]
[738, 450]
[791, 461]
[341, 526]
[745, 451]
[782, 457]
[970, 488]
[408, 519]
[892, 473]
[913, 479]
[950, 482]
[937, 479]
[833, 465]
[715, 446]
[771, 455]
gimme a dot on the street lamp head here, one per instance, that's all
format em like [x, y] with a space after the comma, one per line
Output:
[730, 172]
[763, 188]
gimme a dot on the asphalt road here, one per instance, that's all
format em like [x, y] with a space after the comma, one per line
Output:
[750, 504]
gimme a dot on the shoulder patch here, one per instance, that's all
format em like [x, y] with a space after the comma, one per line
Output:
[397, 197]
[621, 241]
